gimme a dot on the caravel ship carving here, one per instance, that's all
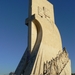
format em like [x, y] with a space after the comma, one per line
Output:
[44, 54]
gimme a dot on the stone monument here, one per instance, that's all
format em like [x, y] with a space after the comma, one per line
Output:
[44, 54]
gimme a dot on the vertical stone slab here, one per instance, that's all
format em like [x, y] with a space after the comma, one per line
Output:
[44, 42]
[44, 36]
[51, 39]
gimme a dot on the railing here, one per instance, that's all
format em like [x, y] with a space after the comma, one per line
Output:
[56, 66]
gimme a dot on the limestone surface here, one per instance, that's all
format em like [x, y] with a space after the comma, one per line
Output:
[44, 54]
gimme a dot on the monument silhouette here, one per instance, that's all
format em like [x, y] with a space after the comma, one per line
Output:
[44, 54]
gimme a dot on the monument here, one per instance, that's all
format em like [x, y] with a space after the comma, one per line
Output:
[44, 54]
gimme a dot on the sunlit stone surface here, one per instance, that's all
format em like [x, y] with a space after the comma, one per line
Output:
[44, 54]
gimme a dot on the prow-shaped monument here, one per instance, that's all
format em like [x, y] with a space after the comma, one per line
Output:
[44, 54]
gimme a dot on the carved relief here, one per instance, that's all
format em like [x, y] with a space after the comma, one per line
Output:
[40, 12]
[55, 66]
[44, 12]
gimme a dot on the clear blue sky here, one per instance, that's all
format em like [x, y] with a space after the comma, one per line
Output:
[14, 32]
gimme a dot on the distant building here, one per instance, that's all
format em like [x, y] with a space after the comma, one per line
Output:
[73, 73]
[11, 73]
